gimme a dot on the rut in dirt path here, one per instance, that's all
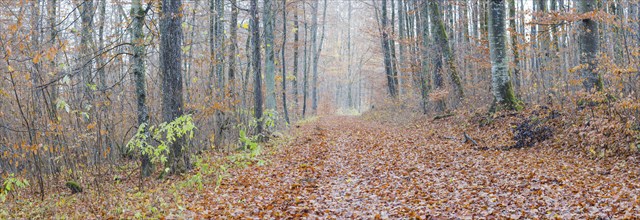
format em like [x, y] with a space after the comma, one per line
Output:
[346, 167]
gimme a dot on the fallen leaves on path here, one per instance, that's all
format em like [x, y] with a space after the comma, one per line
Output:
[346, 167]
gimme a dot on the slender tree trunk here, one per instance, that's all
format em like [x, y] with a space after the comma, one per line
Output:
[514, 45]
[316, 58]
[269, 69]
[100, 62]
[137, 35]
[296, 49]
[52, 37]
[424, 73]
[233, 35]
[306, 63]
[500, 77]
[386, 48]
[188, 64]
[392, 47]
[257, 82]
[401, 40]
[86, 18]
[245, 80]
[220, 35]
[349, 58]
[102, 85]
[212, 46]
[284, 66]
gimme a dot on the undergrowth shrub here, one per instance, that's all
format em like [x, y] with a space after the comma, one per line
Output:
[163, 136]
[10, 184]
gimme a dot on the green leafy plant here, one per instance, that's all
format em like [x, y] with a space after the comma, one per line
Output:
[164, 134]
[203, 167]
[269, 118]
[10, 184]
[252, 150]
[194, 181]
[222, 173]
[249, 143]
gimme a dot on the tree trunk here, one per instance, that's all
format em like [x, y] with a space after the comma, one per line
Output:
[220, 48]
[188, 64]
[102, 78]
[52, 35]
[386, 48]
[500, 79]
[514, 45]
[401, 49]
[306, 63]
[137, 35]
[316, 58]
[589, 48]
[233, 34]
[438, 80]
[296, 49]
[257, 82]
[170, 70]
[86, 18]
[424, 73]
[269, 62]
[284, 66]
[212, 46]
[349, 58]
[443, 41]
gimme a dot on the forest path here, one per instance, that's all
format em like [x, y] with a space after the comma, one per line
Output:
[347, 167]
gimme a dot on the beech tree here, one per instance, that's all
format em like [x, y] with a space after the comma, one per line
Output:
[268, 21]
[500, 75]
[139, 50]
[589, 47]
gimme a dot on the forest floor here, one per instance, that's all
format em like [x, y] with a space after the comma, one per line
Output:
[348, 167]
[356, 167]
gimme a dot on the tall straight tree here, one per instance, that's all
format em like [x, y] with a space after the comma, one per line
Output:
[216, 40]
[257, 80]
[233, 45]
[137, 36]
[514, 45]
[500, 77]
[296, 49]
[284, 66]
[52, 4]
[386, 49]
[589, 47]
[86, 17]
[349, 54]
[212, 45]
[171, 73]
[423, 29]
[102, 78]
[442, 40]
[305, 64]
[269, 62]
[316, 57]
[438, 79]
[220, 35]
